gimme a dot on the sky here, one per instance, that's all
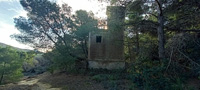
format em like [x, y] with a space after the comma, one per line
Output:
[10, 9]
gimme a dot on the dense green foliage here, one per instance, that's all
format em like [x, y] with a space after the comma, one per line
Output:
[77, 44]
[11, 62]
[55, 28]
[181, 44]
[161, 48]
[60, 61]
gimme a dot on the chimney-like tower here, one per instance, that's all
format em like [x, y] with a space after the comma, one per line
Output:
[106, 48]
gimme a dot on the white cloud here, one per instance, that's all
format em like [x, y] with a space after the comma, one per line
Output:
[8, 0]
[20, 13]
[7, 30]
[19, 10]
[7, 27]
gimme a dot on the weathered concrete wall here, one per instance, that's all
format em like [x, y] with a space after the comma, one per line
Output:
[106, 65]
[97, 50]
[109, 53]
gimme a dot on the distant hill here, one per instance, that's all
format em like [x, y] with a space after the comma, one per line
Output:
[19, 49]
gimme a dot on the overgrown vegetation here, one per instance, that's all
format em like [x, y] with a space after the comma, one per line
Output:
[161, 48]
[57, 29]
[11, 62]
[181, 60]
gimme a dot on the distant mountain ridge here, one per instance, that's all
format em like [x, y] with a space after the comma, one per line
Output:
[19, 49]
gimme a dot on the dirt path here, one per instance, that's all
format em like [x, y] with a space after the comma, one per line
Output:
[34, 84]
[59, 81]
[72, 82]
[29, 84]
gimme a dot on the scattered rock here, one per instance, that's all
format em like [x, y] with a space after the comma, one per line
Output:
[38, 66]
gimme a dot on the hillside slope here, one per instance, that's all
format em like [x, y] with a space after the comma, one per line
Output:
[18, 49]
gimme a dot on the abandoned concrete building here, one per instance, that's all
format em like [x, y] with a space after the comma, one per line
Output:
[106, 48]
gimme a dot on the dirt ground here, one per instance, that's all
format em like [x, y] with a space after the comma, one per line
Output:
[72, 82]
[63, 81]
[59, 81]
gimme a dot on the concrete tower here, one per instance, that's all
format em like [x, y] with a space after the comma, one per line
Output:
[106, 48]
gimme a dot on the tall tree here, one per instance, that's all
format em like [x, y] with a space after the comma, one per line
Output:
[52, 26]
[160, 30]
[148, 9]
[47, 23]
[169, 15]
[86, 23]
[183, 15]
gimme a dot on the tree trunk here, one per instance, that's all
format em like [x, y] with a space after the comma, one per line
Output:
[86, 49]
[2, 75]
[161, 39]
[160, 31]
[137, 43]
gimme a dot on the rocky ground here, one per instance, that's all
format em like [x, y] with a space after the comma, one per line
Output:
[38, 66]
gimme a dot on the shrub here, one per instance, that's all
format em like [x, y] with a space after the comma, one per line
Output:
[60, 62]
[11, 62]
[183, 53]
[149, 74]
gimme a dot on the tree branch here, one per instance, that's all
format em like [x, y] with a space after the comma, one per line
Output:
[160, 7]
[188, 57]
[170, 59]
[183, 30]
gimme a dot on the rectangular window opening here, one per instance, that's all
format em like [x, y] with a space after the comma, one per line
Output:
[98, 39]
